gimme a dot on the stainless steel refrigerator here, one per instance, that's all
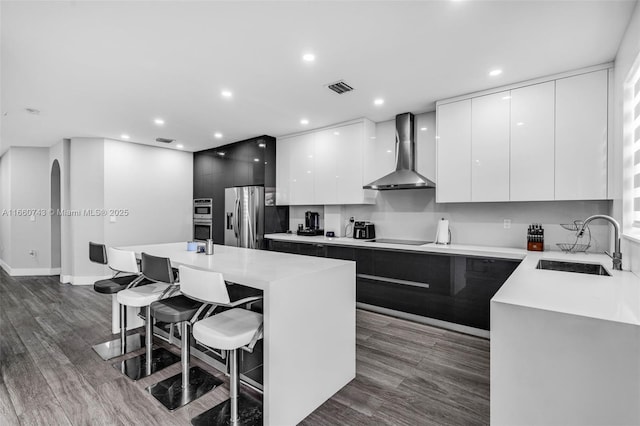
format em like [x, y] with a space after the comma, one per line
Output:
[244, 216]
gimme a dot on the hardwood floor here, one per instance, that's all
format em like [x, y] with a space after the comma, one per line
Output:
[407, 373]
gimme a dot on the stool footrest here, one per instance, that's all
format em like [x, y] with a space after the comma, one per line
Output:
[171, 394]
[112, 349]
[136, 368]
[249, 413]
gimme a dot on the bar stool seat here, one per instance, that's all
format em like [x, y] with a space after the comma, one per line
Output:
[228, 330]
[175, 309]
[113, 285]
[140, 297]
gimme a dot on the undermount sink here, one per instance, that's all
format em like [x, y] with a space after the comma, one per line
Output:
[580, 268]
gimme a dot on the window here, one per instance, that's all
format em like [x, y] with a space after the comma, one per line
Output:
[632, 151]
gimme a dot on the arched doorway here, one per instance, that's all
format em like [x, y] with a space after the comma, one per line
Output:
[56, 240]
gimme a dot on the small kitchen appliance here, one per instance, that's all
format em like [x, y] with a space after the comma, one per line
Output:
[443, 233]
[363, 230]
[311, 225]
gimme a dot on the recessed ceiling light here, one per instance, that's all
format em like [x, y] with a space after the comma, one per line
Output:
[506, 98]
[221, 154]
[179, 146]
[423, 129]
[217, 135]
[308, 57]
[519, 123]
[336, 133]
[495, 72]
[262, 145]
[226, 94]
[378, 101]
[388, 151]
[304, 121]
[159, 121]
[123, 136]
[256, 160]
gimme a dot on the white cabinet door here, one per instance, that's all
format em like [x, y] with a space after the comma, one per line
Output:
[532, 142]
[382, 160]
[453, 163]
[490, 147]
[426, 145]
[283, 154]
[581, 137]
[349, 157]
[326, 165]
[301, 169]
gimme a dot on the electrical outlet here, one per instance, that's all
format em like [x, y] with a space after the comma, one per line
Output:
[33, 253]
[507, 224]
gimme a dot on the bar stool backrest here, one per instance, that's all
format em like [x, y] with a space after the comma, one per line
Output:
[97, 253]
[205, 286]
[122, 260]
[157, 269]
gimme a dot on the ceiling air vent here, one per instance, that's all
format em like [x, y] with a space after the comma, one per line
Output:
[164, 140]
[340, 87]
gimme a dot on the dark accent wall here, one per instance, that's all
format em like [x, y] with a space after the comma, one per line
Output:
[213, 172]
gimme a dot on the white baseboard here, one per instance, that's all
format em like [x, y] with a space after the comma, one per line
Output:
[26, 272]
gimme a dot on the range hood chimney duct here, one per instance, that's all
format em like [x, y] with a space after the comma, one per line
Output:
[405, 175]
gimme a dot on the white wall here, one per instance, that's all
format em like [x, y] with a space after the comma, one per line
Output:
[627, 53]
[86, 192]
[155, 185]
[5, 203]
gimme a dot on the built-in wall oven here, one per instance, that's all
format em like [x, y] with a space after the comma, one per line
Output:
[202, 219]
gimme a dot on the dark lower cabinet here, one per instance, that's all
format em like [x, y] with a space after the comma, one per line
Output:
[455, 289]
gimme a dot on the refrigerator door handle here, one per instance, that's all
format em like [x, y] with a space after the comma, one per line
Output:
[229, 220]
[236, 214]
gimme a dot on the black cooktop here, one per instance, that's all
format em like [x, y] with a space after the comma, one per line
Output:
[405, 242]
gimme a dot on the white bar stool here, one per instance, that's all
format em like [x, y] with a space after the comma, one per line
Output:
[120, 262]
[229, 330]
[159, 271]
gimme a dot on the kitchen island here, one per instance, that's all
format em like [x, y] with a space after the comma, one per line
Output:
[309, 321]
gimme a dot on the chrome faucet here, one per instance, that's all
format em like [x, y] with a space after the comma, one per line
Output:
[617, 256]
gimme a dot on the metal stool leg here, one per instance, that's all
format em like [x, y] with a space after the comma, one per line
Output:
[239, 409]
[121, 346]
[151, 361]
[233, 386]
[189, 385]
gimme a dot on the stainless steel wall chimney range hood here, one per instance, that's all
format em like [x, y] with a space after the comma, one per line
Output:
[405, 175]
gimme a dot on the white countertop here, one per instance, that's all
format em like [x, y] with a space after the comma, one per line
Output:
[255, 268]
[467, 250]
[615, 298]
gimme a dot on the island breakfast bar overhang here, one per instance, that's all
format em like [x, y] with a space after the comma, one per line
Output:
[309, 321]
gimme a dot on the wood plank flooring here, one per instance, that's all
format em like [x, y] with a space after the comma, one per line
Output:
[407, 373]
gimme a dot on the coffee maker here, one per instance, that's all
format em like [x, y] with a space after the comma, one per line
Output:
[311, 224]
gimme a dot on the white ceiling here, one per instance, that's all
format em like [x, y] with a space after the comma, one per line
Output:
[101, 69]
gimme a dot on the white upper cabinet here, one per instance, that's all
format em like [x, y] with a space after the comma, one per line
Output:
[283, 183]
[381, 151]
[532, 142]
[490, 147]
[324, 166]
[453, 162]
[301, 169]
[426, 145]
[581, 137]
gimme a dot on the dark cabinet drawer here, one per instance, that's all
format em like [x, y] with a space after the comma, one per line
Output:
[419, 267]
[283, 246]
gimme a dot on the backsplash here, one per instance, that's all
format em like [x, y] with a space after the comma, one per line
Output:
[413, 214]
